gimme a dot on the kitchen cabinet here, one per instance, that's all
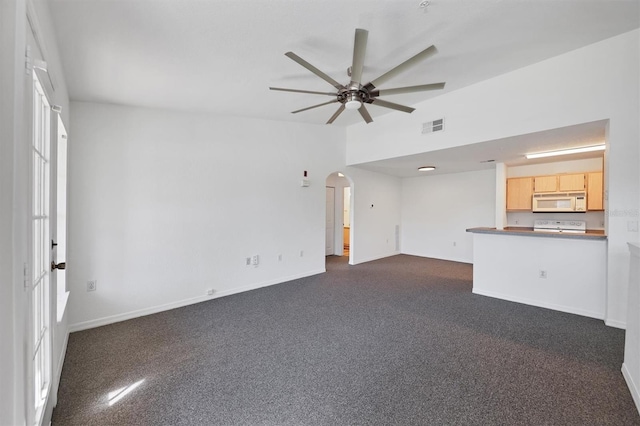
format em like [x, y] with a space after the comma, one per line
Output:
[595, 186]
[519, 193]
[559, 183]
[571, 182]
[545, 184]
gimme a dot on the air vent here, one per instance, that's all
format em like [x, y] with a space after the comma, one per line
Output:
[433, 126]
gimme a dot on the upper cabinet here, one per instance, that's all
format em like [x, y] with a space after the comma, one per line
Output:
[595, 186]
[520, 190]
[545, 184]
[519, 193]
[572, 182]
[560, 183]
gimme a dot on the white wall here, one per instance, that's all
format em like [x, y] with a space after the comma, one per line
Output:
[13, 212]
[375, 199]
[593, 83]
[166, 205]
[437, 210]
[508, 267]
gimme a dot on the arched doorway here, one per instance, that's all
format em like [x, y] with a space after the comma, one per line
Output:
[339, 216]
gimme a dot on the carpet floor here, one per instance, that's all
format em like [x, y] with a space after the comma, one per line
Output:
[398, 341]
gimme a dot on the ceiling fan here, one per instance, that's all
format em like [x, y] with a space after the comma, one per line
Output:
[354, 95]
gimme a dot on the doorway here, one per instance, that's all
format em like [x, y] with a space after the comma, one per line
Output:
[339, 216]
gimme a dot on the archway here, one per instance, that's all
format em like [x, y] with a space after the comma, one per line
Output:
[339, 216]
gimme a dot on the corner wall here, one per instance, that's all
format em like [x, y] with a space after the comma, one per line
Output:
[596, 82]
[165, 206]
[437, 210]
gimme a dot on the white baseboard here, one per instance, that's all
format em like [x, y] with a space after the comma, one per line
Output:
[450, 259]
[553, 306]
[371, 259]
[85, 325]
[616, 324]
[631, 385]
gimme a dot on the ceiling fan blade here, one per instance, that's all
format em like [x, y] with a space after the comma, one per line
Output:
[359, 50]
[314, 106]
[365, 114]
[429, 51]
[336, 114]
[314, 70]
[302, 91]
[391, 105]
[409, 89]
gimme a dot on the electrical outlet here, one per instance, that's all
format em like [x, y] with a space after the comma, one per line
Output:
[542, 274]
[248, 261]
[92, 285]
[210, 292]
[255, 260]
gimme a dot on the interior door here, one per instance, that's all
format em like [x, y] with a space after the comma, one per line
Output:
[330, 221]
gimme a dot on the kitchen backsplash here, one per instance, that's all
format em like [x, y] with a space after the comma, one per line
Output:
[595, 220]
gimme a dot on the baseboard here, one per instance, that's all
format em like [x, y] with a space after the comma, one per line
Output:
[450, 259]
[371, 259]
[552, 306]
[631, 385]
[99, 322]
[615, 323]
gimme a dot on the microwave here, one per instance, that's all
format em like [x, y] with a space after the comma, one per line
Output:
[560, 202]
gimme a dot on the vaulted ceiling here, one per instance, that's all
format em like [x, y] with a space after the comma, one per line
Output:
[221, 56]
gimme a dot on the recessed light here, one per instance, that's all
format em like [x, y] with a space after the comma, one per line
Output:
[426, 168]
[566, 151]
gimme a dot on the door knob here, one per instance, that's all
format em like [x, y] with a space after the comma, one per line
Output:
[61, 265]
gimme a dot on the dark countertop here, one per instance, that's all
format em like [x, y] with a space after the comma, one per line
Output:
[591, 234]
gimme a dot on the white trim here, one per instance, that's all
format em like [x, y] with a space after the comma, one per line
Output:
[185, 302]
[553, 306]
[449, 259]
[371, 259]
[631, 385]
[63, 352]
[615, 323]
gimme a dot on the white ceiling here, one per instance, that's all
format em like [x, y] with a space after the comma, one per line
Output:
[222, 55]
[510, 151]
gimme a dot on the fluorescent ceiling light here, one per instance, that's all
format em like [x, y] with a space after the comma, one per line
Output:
[566, 151]
[426, 168]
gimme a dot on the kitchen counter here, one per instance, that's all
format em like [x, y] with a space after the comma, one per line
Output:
[590, 234]
[554, 270]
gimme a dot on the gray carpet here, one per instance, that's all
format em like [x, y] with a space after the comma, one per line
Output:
[399, 341]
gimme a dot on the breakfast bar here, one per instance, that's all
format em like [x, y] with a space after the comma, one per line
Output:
[564, 271]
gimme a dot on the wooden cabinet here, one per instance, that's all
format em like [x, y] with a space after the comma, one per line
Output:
[520, 190]
[519, 193]
[572, 182]
[595, 186]
[559, 183]
[545, 184]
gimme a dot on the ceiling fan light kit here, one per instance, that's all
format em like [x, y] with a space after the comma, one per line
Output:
[355, 95]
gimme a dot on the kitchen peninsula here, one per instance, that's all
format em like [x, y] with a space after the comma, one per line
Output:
[563, 271]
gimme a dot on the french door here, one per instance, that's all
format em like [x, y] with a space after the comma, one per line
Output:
[39, 285]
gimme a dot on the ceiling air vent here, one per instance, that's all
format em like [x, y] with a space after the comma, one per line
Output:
[433, 126]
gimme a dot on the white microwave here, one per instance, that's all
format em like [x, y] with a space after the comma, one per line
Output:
[560, 202]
